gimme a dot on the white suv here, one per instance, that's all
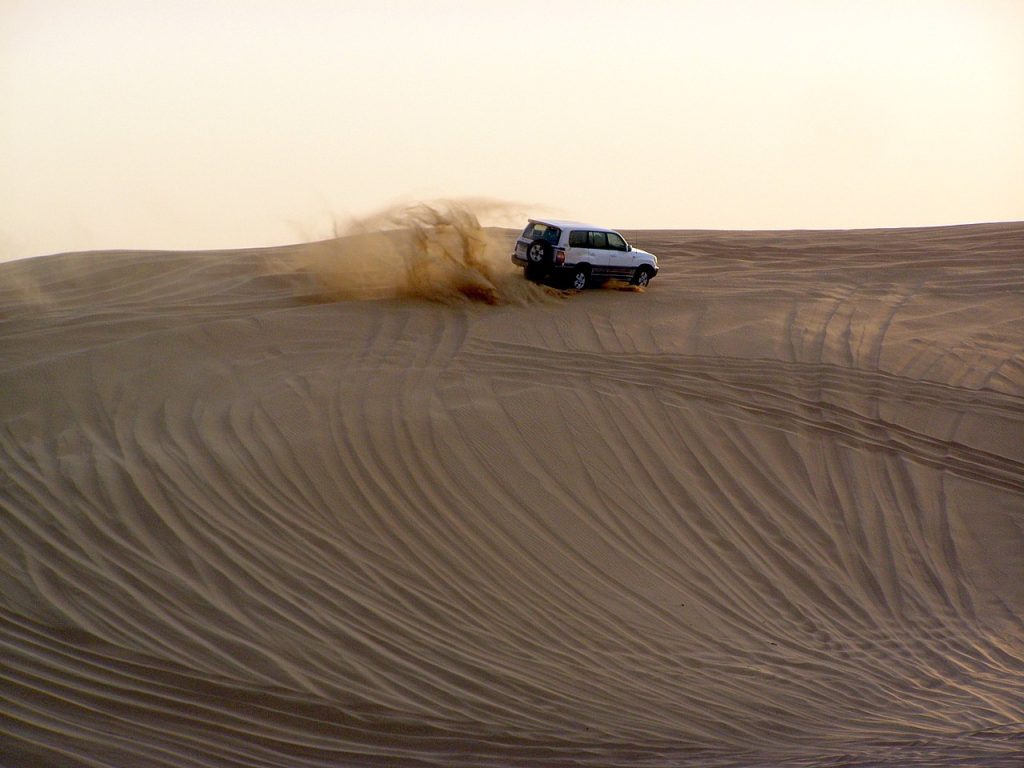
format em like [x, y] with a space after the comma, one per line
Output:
[586, 254]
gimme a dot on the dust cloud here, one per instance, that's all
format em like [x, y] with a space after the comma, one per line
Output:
[437, 251]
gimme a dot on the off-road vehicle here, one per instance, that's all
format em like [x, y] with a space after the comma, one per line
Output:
[581, 254]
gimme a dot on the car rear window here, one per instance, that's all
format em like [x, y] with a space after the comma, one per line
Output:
[538, 231]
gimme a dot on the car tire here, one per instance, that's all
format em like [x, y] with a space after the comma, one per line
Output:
[642, 277]
[580, 278]
[538, 252]
[534, 272]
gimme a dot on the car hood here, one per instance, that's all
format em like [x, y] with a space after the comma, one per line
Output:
[648, 254]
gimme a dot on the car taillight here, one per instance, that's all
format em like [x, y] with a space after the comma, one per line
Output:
[560, 256]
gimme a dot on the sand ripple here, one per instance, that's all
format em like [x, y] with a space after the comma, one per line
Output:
[767, 512]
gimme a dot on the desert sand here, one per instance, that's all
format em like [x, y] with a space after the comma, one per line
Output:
[379, 501]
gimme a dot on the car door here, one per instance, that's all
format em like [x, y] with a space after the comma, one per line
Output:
[621, 261]
[579, 247]
[599, 253]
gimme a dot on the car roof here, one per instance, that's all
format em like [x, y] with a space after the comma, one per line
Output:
[567, 224]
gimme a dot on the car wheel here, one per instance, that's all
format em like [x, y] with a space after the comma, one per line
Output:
[580, 278]
[642, 277]
[534, 272]
[539, 252]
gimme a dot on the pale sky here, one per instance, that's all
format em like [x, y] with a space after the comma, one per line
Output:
[186, 124]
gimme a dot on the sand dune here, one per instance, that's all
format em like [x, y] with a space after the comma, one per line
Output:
[278, 508]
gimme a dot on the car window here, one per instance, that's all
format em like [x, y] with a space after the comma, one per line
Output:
[578, 239]
[615, 242]
[598, 240]
[538, 231]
